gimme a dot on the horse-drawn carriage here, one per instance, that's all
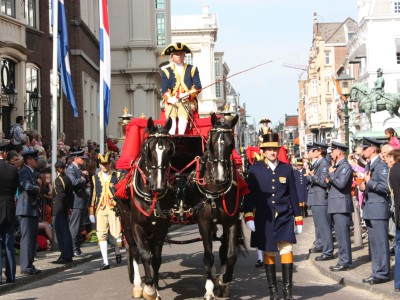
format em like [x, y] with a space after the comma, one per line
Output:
[180, 179]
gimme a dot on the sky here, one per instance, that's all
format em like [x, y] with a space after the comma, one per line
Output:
[251, 32]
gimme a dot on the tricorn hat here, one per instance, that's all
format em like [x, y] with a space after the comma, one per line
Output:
[270, 140]
[265, 120]
[104, 159]
[175, 47]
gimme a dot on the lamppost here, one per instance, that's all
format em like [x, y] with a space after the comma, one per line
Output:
[345, 82]
[34, 98]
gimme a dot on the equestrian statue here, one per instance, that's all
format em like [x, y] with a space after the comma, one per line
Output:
[376, 100]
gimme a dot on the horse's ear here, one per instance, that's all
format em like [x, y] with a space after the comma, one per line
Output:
[234, 121]
[213, 119]
[168, 125]
[150, 125]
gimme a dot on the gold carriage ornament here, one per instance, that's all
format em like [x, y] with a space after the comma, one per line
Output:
[227, 112]
[125, 120]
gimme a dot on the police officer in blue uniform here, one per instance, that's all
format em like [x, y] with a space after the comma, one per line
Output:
[376, 210]
[301, 185]
[80, 205]
[310, 167]
[27, 211]
[319, 203]
[274, 197]
[340, 204]
[9, 179]
[62, 203]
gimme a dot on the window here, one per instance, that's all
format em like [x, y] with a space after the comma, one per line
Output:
[160, 27]
[217, 67]
[30, 12]
[189, 58]
[7, 7]
[398, 58]
[329, 111]
[314, 88]
[218, 89]
[160, 4]
[32, 81]
[315, 114]
[7, 74]
[396, 7]
[327, 58]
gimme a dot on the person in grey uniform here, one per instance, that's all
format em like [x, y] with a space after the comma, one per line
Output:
[319, 203]
[27, 212]
[376, 211]
[340, 203]
[310, 166]
[80, 205]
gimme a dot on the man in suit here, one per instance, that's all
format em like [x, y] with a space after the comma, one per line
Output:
[340, 203]
[62, 202]
[180, 85]
[319, 203]
[9, 179]
[79, 180]
[102, 207]
[274, 197]
[27, 211]
[376, 210]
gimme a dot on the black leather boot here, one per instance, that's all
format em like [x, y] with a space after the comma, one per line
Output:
[287, 277]
[271, 279]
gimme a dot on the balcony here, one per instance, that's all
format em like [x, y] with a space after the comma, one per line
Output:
[12, 31]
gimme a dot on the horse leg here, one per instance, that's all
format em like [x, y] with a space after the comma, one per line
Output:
[229, 259]
[133, 268]
[149, 292]
[391, 112]
[157, 255]
[205, 229]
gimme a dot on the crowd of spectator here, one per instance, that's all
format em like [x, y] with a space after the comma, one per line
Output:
[28, 150]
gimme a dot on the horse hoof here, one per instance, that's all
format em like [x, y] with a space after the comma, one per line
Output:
[149, 297]
[223, 291]
[210, 297]
[137, 292]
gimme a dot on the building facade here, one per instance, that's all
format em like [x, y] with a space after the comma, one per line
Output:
[376, 44]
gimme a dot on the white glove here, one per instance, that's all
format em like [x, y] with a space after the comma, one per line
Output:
[184, 95]
[250, 225]
[298, 229]
[172, 100]
[92, 219]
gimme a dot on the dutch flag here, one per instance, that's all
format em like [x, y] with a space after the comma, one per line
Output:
[105, 60]
[63, 57]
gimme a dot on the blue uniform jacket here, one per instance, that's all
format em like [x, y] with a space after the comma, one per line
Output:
[376, 195]
[318, 187]
[339, 197]
[170, 80]
[271, 193]
[27, 183]
[301, 184]
[79, 187]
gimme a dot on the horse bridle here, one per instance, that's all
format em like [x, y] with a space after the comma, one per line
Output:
[222, 131]
[150, 138]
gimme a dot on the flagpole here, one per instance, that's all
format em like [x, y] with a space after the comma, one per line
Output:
[54, 104]
[101, 89]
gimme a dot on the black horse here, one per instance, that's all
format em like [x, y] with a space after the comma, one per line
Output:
[145, 215]
[214, 196]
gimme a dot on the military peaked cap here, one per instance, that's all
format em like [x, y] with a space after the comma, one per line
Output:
[78, 153]
[339, 146]
[320, 146]
[310, 147]
[30, 154]
[370, 142]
